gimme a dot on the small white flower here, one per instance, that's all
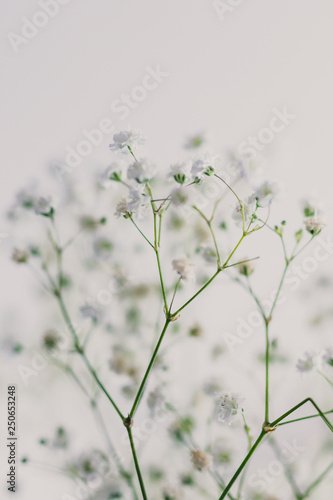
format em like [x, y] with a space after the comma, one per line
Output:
[228, 407]
[90, 311]
[202, 166]
[201, 460]
[111, 174]
[20, 256]
[122, 209]
[266, 193]
[141, 171]
[125, 139]
[43, 205]
[184, 268]
[138, 202]
[314, 225]
[249, 208]
[309, 362]
[180, 172]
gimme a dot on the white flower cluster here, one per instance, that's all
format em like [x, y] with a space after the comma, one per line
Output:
[228, 407]
[184, 268]
[193, 171]
[28, 199]
[126, 140]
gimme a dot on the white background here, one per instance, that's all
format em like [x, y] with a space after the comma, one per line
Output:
[225, 78]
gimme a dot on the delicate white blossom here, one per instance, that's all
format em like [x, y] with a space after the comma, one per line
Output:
[141, 171]
[180, 172]
[228, 407]
[266, 193]
[138, 201]
[126, 139]
[202, 166]
[111, 174]
[314, 225]
[184, 268]
[201, 460]
[309, 362]
[249, 208]
[122, 209]
[43, 205]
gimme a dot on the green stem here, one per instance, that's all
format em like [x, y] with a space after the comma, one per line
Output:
[131, 218]
[316, 482]
[279, 290]
[305, 418]
[83, 355]
[136, 463]
[307, 400]
[209, 223]
[267, 353]
[196, 294]
[242, 465]
[146, 375]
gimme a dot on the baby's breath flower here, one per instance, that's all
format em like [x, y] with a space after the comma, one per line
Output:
[180, 172]
[314, 225]
[138, 201]
[202, 166]
[20, 256]
[125, 139]
[201, 460]
[184, 268]
[113, 173]
[196, 330]
[309, 362]
[141, 171]
[44, 206]
[228, 407]
[91, 312]
[266, 193]
[249, 208]
[122, 209]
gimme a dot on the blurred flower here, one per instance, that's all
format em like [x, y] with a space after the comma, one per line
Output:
[194, 142]
[327, 356]
[51, 340]
[89, 223]
[202, 166]
[208, 253]
[44, 206]
[20, 256]
[180, 196]
[184, 268]
[201, 460]
[180, 172]
[113, 173]
[246, 268]
[314, 225]
[155, 399]
[125, 139]
[122, 209]
[249, 209]
[102, 247]
[141, 171]
[196, 330]
[171, 493]
[228, 407]
[310, 361]
[266, 193]
[138, 202]
[91, 312]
